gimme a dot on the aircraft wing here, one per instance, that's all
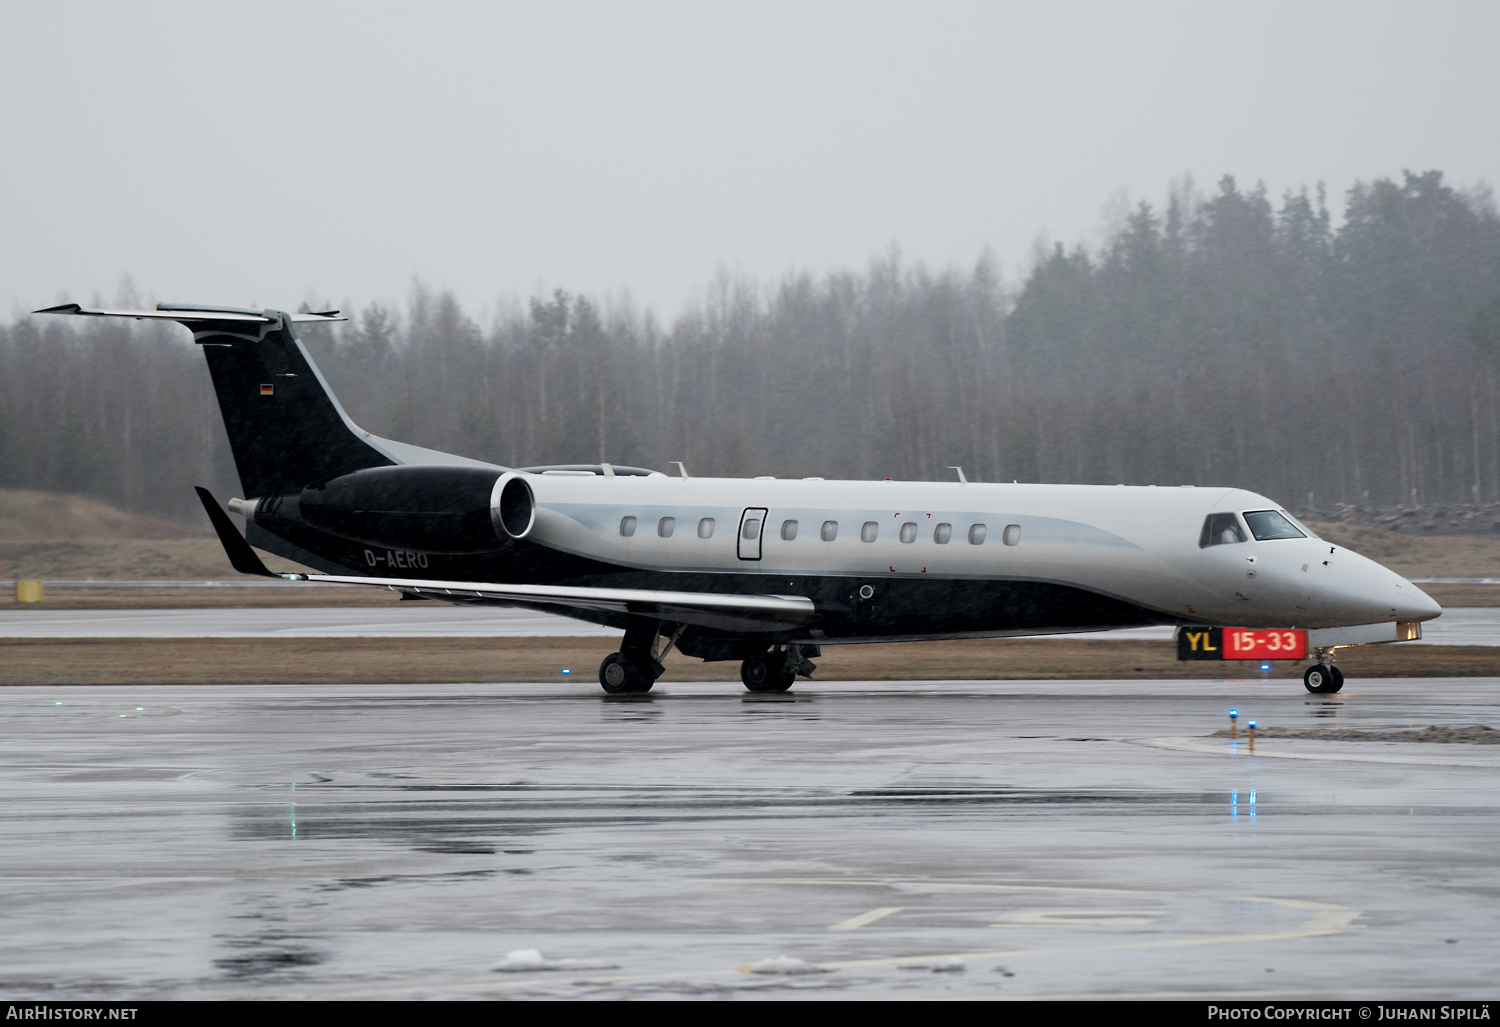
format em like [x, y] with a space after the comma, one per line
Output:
[705, 609]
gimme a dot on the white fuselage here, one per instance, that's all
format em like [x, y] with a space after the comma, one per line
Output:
[1139, 544]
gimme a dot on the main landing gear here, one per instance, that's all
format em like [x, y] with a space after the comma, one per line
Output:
[1323, 677]
[635, 668]
[619, 675]
[774, 671]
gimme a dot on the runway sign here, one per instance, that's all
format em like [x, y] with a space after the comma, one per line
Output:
[1241, 644]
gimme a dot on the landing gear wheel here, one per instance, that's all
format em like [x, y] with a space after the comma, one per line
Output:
[767, 673]
[619, 676]
[1321, 680]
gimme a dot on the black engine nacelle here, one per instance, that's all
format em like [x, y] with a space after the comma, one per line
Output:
[430, 509]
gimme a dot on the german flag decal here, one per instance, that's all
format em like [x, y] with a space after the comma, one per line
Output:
[268, 390]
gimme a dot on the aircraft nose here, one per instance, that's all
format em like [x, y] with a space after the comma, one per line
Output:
[1411, 603]
[1362, 591]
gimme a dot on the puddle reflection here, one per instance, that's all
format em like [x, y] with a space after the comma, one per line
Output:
[618, 708]
[262, 954]
[780, 706]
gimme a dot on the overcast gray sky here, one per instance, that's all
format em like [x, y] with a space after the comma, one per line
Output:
[268, 153]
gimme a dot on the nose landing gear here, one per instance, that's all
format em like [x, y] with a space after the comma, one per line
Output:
[1323, 677]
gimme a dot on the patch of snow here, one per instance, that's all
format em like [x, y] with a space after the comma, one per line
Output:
[785, 965]
[522, 960]
[952, 965]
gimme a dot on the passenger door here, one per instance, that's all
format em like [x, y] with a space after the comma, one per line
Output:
[752, 527]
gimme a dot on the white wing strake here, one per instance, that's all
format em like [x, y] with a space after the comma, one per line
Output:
[705, 609]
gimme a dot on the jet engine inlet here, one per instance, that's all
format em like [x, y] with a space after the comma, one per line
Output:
[512, 506]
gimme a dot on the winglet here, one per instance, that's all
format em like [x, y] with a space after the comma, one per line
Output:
[241, 556]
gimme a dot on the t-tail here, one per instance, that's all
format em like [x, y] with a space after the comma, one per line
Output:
[286, 428]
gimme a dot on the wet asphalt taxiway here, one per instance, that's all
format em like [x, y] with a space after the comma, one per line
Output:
[967, 839]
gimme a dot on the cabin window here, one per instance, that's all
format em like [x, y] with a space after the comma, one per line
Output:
[942, 534]
[1221, 529]
[666, 526]
[627, 526]
[1269, 524]
[1012, 536]
[976, 535]
[869, 531]
[752, 528]
[788, 530]
[909, 531]
[830, 531]
[706, 528]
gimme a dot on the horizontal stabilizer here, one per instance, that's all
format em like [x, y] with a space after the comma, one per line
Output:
[192, 313]
[241, 556]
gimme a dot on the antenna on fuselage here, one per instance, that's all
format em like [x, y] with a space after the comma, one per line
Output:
[961, 479]
[682, 467]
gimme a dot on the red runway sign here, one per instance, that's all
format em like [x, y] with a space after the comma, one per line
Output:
[1241, 644]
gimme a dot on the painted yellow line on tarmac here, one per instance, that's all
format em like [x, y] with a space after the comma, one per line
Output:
[1088, 918]
[1332, 921]
[923, 885]
[1314, 928]
[1273, 751]
[855, 922]
[1327, 919]
[1321, 925]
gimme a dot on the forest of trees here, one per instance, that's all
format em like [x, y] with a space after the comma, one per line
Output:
[1221, 339]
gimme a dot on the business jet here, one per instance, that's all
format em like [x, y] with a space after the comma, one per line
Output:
[763, 571]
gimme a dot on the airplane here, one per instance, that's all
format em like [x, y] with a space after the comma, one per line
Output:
[763, 571]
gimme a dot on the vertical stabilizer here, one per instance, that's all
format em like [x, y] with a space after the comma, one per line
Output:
[286, 429]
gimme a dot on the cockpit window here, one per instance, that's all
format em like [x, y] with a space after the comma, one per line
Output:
[1269, 524]
[1221, 529]
[1299, 525]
